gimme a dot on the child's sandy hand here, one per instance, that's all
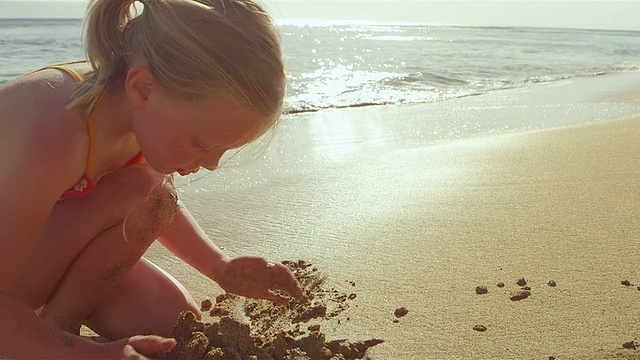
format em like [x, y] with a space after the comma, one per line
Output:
[140, 347]
[254, 277]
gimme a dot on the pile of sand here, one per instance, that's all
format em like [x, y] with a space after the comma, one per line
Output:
[244, 328]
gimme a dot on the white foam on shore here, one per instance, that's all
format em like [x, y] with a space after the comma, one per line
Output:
[569, 102]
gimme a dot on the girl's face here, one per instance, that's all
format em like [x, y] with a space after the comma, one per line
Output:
[182, 136]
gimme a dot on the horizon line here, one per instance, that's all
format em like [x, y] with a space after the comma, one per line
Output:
[332, 22]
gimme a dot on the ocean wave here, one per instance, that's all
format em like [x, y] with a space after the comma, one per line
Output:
[425, 78]
[625, 67]
[299, 110]
[428, 88]
[399, 38]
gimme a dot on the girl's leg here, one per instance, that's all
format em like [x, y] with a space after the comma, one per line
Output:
[147, 301]
[91, 243]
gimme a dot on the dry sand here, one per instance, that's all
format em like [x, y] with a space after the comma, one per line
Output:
[418, 220]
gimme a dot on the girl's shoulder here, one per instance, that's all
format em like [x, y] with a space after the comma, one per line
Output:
[37, 101]
[33, 118]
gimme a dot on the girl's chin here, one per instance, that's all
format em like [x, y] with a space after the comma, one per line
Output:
[183, 172]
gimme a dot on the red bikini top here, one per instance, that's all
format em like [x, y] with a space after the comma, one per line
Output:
[86, 186]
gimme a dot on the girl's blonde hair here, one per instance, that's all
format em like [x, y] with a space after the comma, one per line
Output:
[192, 47]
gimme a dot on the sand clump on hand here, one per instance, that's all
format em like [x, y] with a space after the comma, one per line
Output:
[243, 328]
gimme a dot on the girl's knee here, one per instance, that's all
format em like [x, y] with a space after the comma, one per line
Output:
[149, 198]
[157, 195]
[141, 182]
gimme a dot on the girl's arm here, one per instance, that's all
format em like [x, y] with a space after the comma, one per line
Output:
[186, 239]
[23, 335]
[249, 276]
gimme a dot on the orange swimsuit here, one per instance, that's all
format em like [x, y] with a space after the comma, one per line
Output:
[85, 184]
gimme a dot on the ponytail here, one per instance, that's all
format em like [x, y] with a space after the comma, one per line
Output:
[106, 23]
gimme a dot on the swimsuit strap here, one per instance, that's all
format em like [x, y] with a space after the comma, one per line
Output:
[62, 67]
[139, 158]
[78, 78]
[90, 161]
[74, 74]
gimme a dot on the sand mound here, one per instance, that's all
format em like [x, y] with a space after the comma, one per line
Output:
[258, 329]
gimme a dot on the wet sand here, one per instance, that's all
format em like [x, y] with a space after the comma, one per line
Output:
[416, 206]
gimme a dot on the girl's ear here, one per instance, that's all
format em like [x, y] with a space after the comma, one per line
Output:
[139, 86]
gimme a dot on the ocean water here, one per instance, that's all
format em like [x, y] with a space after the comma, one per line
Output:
[351, 65]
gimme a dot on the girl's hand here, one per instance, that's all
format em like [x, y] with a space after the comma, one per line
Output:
[139, 347]
[254, 277]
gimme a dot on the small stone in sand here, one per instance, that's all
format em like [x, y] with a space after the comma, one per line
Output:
[551, 283]
[626, 283]
[481, 290]
[521, 282]
[526, 288]
[632, 345]
[500, 285]
[400, 312]
[480, 328]
[205, 305]
[519, 295]
[552, 358]
[218, 311]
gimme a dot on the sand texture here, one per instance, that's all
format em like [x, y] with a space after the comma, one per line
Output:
[256, 329]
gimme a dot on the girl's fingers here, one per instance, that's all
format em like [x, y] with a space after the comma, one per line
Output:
[284, 280]
[151, 344]
[276, 298]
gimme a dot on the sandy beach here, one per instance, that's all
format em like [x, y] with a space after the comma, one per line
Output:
[418, 205]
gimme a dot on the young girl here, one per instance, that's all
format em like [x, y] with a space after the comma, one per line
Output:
[86, 157]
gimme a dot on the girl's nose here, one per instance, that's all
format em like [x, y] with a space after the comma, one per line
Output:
[211, 161]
